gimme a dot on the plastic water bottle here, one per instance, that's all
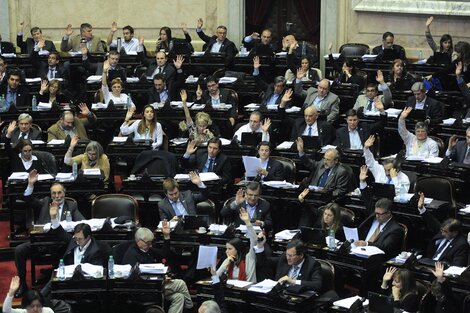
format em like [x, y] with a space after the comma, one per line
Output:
[129, 101]
[61, 270]
[331, 240]
[118, 40]
[403, 193]
[420, 55]
[34, 103]
[304, 48]
[68, 219]
[111, 267]
[147, 136]
[2, 104]
[74, 169]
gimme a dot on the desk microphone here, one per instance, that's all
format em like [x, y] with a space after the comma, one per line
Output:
[44, 165]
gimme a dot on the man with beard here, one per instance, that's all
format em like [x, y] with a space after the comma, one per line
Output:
[70, 125]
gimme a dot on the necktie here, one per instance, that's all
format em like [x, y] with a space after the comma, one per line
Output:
[323, 178]
[295, 272]
[369, 106]
[310, 131]
[175, 208]
[467, 157]
[159, 70]
[389, 181]
[441, 249]
[23, 135]
[375, 234]
[211, 164]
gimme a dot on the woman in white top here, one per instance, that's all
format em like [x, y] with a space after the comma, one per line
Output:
[32, 301]
[146, 128]
[116, 88]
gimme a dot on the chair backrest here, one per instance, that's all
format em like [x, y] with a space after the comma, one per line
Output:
[289, 168]
[405, 236]
[119, 250]
[354, 50]
[439, 188]
[347, 217]
[466, 304]
[412, 176]
[327, 275]
[234, 95]
[206, 207]
[440, 144]
[114, 205]
[49, 163]
[36, 126]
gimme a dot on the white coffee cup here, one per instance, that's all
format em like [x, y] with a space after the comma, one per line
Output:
[202, 229]
[132, 177]
[404, 254]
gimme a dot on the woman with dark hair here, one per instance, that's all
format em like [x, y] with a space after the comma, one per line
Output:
[347, 69]
[165, 40]
[399, 79]
[32, 302]
[404, 291]
[445, 44]
[240, 263]
[147, 127]
[93, 157]
[306, 66]
[50, 92]
[461, 54]
[441, 289]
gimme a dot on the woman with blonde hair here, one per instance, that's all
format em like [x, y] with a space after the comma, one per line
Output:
[199, 128]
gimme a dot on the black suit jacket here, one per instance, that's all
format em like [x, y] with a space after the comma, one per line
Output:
[457, 154]
[43, 206]
[172, 89]
[221, 166]
[189, 200]
[16, 164]
[227, 47]
[134, 254]
[363, 129]
[27, 47]
[168, 71]
[268, 92]
[326, 132]
[33, 134]
[275, 170]
[379, 51]
[22, 97]
[7, 47]
[432, 107]
[225, 96]
[262, 213]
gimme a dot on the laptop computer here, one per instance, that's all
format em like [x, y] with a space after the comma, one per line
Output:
[389, 55]
[193, 222]
[311, 143]
[384, 190]
[143, 141]
[380, 303]
[251, 139]
[314, 236]
[441, 58]
[417, 115]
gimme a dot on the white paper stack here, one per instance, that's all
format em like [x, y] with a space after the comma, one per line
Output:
[252, 106]
[466, 209]
[366, 251]
[238, 283]
[272, 107]
[98, 106]
[434, 160]
[18, 176]
[263, 287]
[222, 106]
[92, 172]
[369, 57]
[42, 177]
[217, 228]
[293, 109]
[122, 270]
[197, 106]
[179, 104]
[93, 79]
[153, 268]
[280, 184]
[346, 303]
[33, 80]
[454, 271]
[92, 270]
[44, 106]
[286, 145]
[37, 142]
[335, 56]
[449, 121]
[75, 53]
[119, 139]
[391, 112]
[56, 142]
[242, 228]
[327, 147]
[64, 177]
[198, 53]
[132, 79]
[179, 141]
[172, 224]
[286, 234]
[227, 80]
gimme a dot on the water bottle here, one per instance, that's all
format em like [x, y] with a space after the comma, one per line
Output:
[111, 267]
[118, 44]
[420, 55]
[403, 193]
[304, 48]
[68, 219]
[242, 50]
[61, 270]
[170, 45]
[2, 104]
[147, 136]
[34, 103]
[331, 240]
[129, 101]
[74, 169]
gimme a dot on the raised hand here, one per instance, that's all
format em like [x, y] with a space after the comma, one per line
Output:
[183, 95]
[166, 229]
[114, 27]
[68, 30]
[266, 124]
[458, 68]
[421, 200]
[44, 86]
[178, 62]
[379, 105]
[286, 98]
[33, 177]
[41, 43]
[389, 274]
[240, 196]
[255, 35]
[363, 173]
[244, 216]
[192, 147]
[14, 285]
[369, 142]
[53, 209]
[106, 66]
[141, 40]
[393, 172]
[300, 145]
[130, 113]
[452, 141]
[83, 109]
[429, 21]
[11, 128]
[84, 50]
[303, 194]
[404, 114]
[74, 141]
[263, 239]
[256, 62]
[380, 77]
[200, 23]
[438, 271]
[195, 178]
[21, 26]
[300, 73]
[198, 92]
[184, 28]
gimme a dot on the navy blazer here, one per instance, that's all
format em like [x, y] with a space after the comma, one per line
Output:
[23, 101]
[221, 166]
[326, 132]
[363, 129]
[458, 153]
[189, 200]
[262, 213]
[227, 47]
[27, 46]
[7, 47]
[432, 107]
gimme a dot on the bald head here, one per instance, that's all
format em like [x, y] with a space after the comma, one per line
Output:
[323, 87]
[310, 115]
[331, 158]
[160, 57]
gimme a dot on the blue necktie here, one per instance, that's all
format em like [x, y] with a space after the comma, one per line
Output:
[310, 131]
[211, 164]
[323, 178]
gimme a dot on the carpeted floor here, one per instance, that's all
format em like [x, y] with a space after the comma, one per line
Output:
[4, 232]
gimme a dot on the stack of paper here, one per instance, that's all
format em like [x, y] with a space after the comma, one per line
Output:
[280, 184]
[179, 141]
[64, 177]
[251, 165]
[449, 121]
[45, 177]
[263, 287]
[454, 271]
[281, 54]
[227, 80]
[466, 210]
[222, 106]
[132, 79]
[372, 113]
[286, 234]
[217, 229]
[153, 268]
[37, 142]
[44, 106]
[75, 53]
[198, 53]
[346, 303]
[33, 80]
[238, 283]
[119, 139]
[172, 224]
[286, 145]
[391, 112]
[179, 104]
[198, 106]
[98, 106]
[272, 107]
[9, 55]
[225, 142]
[92, 270]
[242, 228]
[414, 158]
[92, 172]
[18, 176]
[158, 105]
[434, 160]
[209, 176]
[366, 251]
[369, 57]
[56, 142]
[252, 106]
[327, 147]
[122, 270]
[93, 79]
[293, 109]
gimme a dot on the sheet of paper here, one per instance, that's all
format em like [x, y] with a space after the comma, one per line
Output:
[92, 171]
[45, 177]
[122, 270]
[99, 105]
[172, 224]
[132, 79]
[64, 176]
[153, 268]
[56, 142]
[19, 175]
[286, 234]
[346, 303]
[242, 228]
[286, 145]
[454, 271]
[119, 139]
[366, 251]
[207, 257]
[264, 286]
[227, 80]
[94, 78]
[251, 165]
[37, 142]
[44, 106]
[216, 228]
[350, 233]
[33, 80]
[449, 121]
[238, 283]
[225, 142]
[335, 56]
[92, 270]
[293, 109]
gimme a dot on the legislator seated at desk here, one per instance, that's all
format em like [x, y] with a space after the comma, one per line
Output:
[404, 291]
[420, 101]
[326, 102]
[459, 151]
[159, 66]
[6, 46]
[178, 204]
[449, 245]
[3, 71]
[260, 45]
[369, 103]
[270, 169]
[51, 92]
[128, 44]
[36, 43]
[86, 37]
[354, 135]
[15, 94]
[114, 71]
[141, 251]
[258, 209]
[254, 125]
[52, 69]
[116, 96]
[70, 125]
[146, 128]
[32, 302]
[164, 90]
[398, 78]
[418, 144]
[329, 173]
[396, 51]
[23, 129]
[93, 158]
[310, 126]
[210, 160]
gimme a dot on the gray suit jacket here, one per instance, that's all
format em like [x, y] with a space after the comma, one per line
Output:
[33, 134]
[362, 101]
[329, 106]
[457, 154]
[189, 200]
[73, 44]
[43, 206]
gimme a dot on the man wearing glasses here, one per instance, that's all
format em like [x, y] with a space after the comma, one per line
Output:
[218, 43]
[142, 251]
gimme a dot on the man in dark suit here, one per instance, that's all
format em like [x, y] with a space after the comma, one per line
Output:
[24, 130]
[294, 267]
[115, 70]
[354, 135]
[16, 95]
[273, 93]
[387, 43]
[52, 69]
[449, 245]
[311, 126]
[459, 151]
[270, 169]
[420, 101]
[328, 173]
[163, 91]
[258, 209]
[218, 43]
[3, 71]
[159, 66]
[177, 204]
[57, 199]
[32, 44]
[381, 230]
[260, 45]
[6, 46]
[210, 160]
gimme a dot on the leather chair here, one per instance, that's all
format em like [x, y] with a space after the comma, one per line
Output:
[405, 236]
[328, 294]
[288, 166]
[412, 176]
[440, 144]
[347, 217]
[354, 50]
[114, 205]
[439, 188]
[49, 163]
[119, 250]
[207, 208]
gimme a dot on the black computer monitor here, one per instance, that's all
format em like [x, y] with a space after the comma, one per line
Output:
[314, 236]
[193, 222]
[384, 190]
[251, 139]
[380, 303]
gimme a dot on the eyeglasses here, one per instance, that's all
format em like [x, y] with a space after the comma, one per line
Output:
[78, 239]
[148, 243]
[290, 255]
[380, 214]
